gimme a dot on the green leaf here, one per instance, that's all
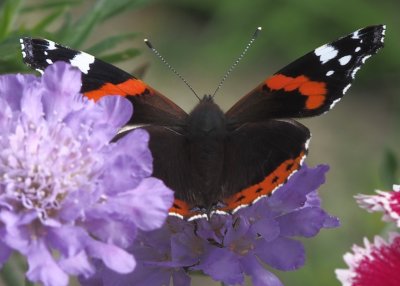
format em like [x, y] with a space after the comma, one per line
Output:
[110, 43]
[121, 56]
[8, 12]
[111, 8]
[101, 11]
[45, 22]
[10, 273]
[390, 168]
[51, 5]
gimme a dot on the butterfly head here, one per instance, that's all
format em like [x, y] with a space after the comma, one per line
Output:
[207, 119]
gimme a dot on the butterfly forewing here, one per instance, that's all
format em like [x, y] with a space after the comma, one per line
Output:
[100, 79]
[312, 84]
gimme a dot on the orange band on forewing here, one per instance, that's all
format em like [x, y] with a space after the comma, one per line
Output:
[266, 186]
[181, 208]
[132, 87]
[314, 91]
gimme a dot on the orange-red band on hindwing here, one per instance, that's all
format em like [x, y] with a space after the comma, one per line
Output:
[181, 208]
[266, 186]
[315, 91]
[132, 87]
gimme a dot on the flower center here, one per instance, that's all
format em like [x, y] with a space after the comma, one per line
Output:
[41, 163]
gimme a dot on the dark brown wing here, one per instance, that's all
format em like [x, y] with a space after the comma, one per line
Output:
[100, 78]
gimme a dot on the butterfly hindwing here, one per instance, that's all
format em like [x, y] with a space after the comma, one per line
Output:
[171, 164]
[100, 78]
[312, 84]
[259, 158]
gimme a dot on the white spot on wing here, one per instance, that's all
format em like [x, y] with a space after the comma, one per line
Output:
[383, 33]
[239, 207]
[355, 35]
[346, 88]
[329, 73]
[353, 73]
[357, 49]
[23, 54]
[176, 215]
[219, 212]
[365, 58]
[344, 60]
[307, 144]
[82, 61]
[51, 45]
[49, 61]
[326, 53]
[199, 216]
[334, 103]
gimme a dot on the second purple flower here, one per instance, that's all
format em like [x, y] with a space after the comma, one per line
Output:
[229, 247]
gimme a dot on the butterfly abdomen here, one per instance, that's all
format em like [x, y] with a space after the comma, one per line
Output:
[207, 132]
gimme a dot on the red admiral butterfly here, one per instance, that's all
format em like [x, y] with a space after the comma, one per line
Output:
[216, 161]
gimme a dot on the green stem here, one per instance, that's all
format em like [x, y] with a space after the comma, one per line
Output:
[9, 275]
[28, 283]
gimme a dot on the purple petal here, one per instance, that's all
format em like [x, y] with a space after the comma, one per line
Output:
[121, 233]
[294, 193]
[304, 222]
[69, 240]
[31, 102]
[331, 222]
[127, 165]
[5, 253]
[222, 265]
[259, 275]
[239, 229]
[42, 267]
[12, 88]
[282, 253]
[185, 248]
[147, 205]
[180, 278]
[77, 265]
[17, 235]
[112, 256]
[313, 199]
[141, 276]
[117, 110]
[267, 227]
[5, 113]
[62, 83]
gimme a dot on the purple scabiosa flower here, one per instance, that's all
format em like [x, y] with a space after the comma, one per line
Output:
[386, 202]
[69, 197]
[229, 247]
[376, 263]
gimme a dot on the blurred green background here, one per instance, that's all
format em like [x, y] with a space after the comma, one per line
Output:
[201, 39]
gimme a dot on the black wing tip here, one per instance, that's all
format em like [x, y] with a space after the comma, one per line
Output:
[26, 50]
[33, 52]
[373, 34]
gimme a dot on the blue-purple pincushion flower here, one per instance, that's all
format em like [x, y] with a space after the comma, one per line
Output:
[69, 197]
[228, 247]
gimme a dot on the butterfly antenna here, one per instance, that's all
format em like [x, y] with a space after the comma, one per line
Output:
[147, 42]
[253, 38]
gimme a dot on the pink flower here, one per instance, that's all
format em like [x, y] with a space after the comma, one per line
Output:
[386, 202]
[377, 264]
